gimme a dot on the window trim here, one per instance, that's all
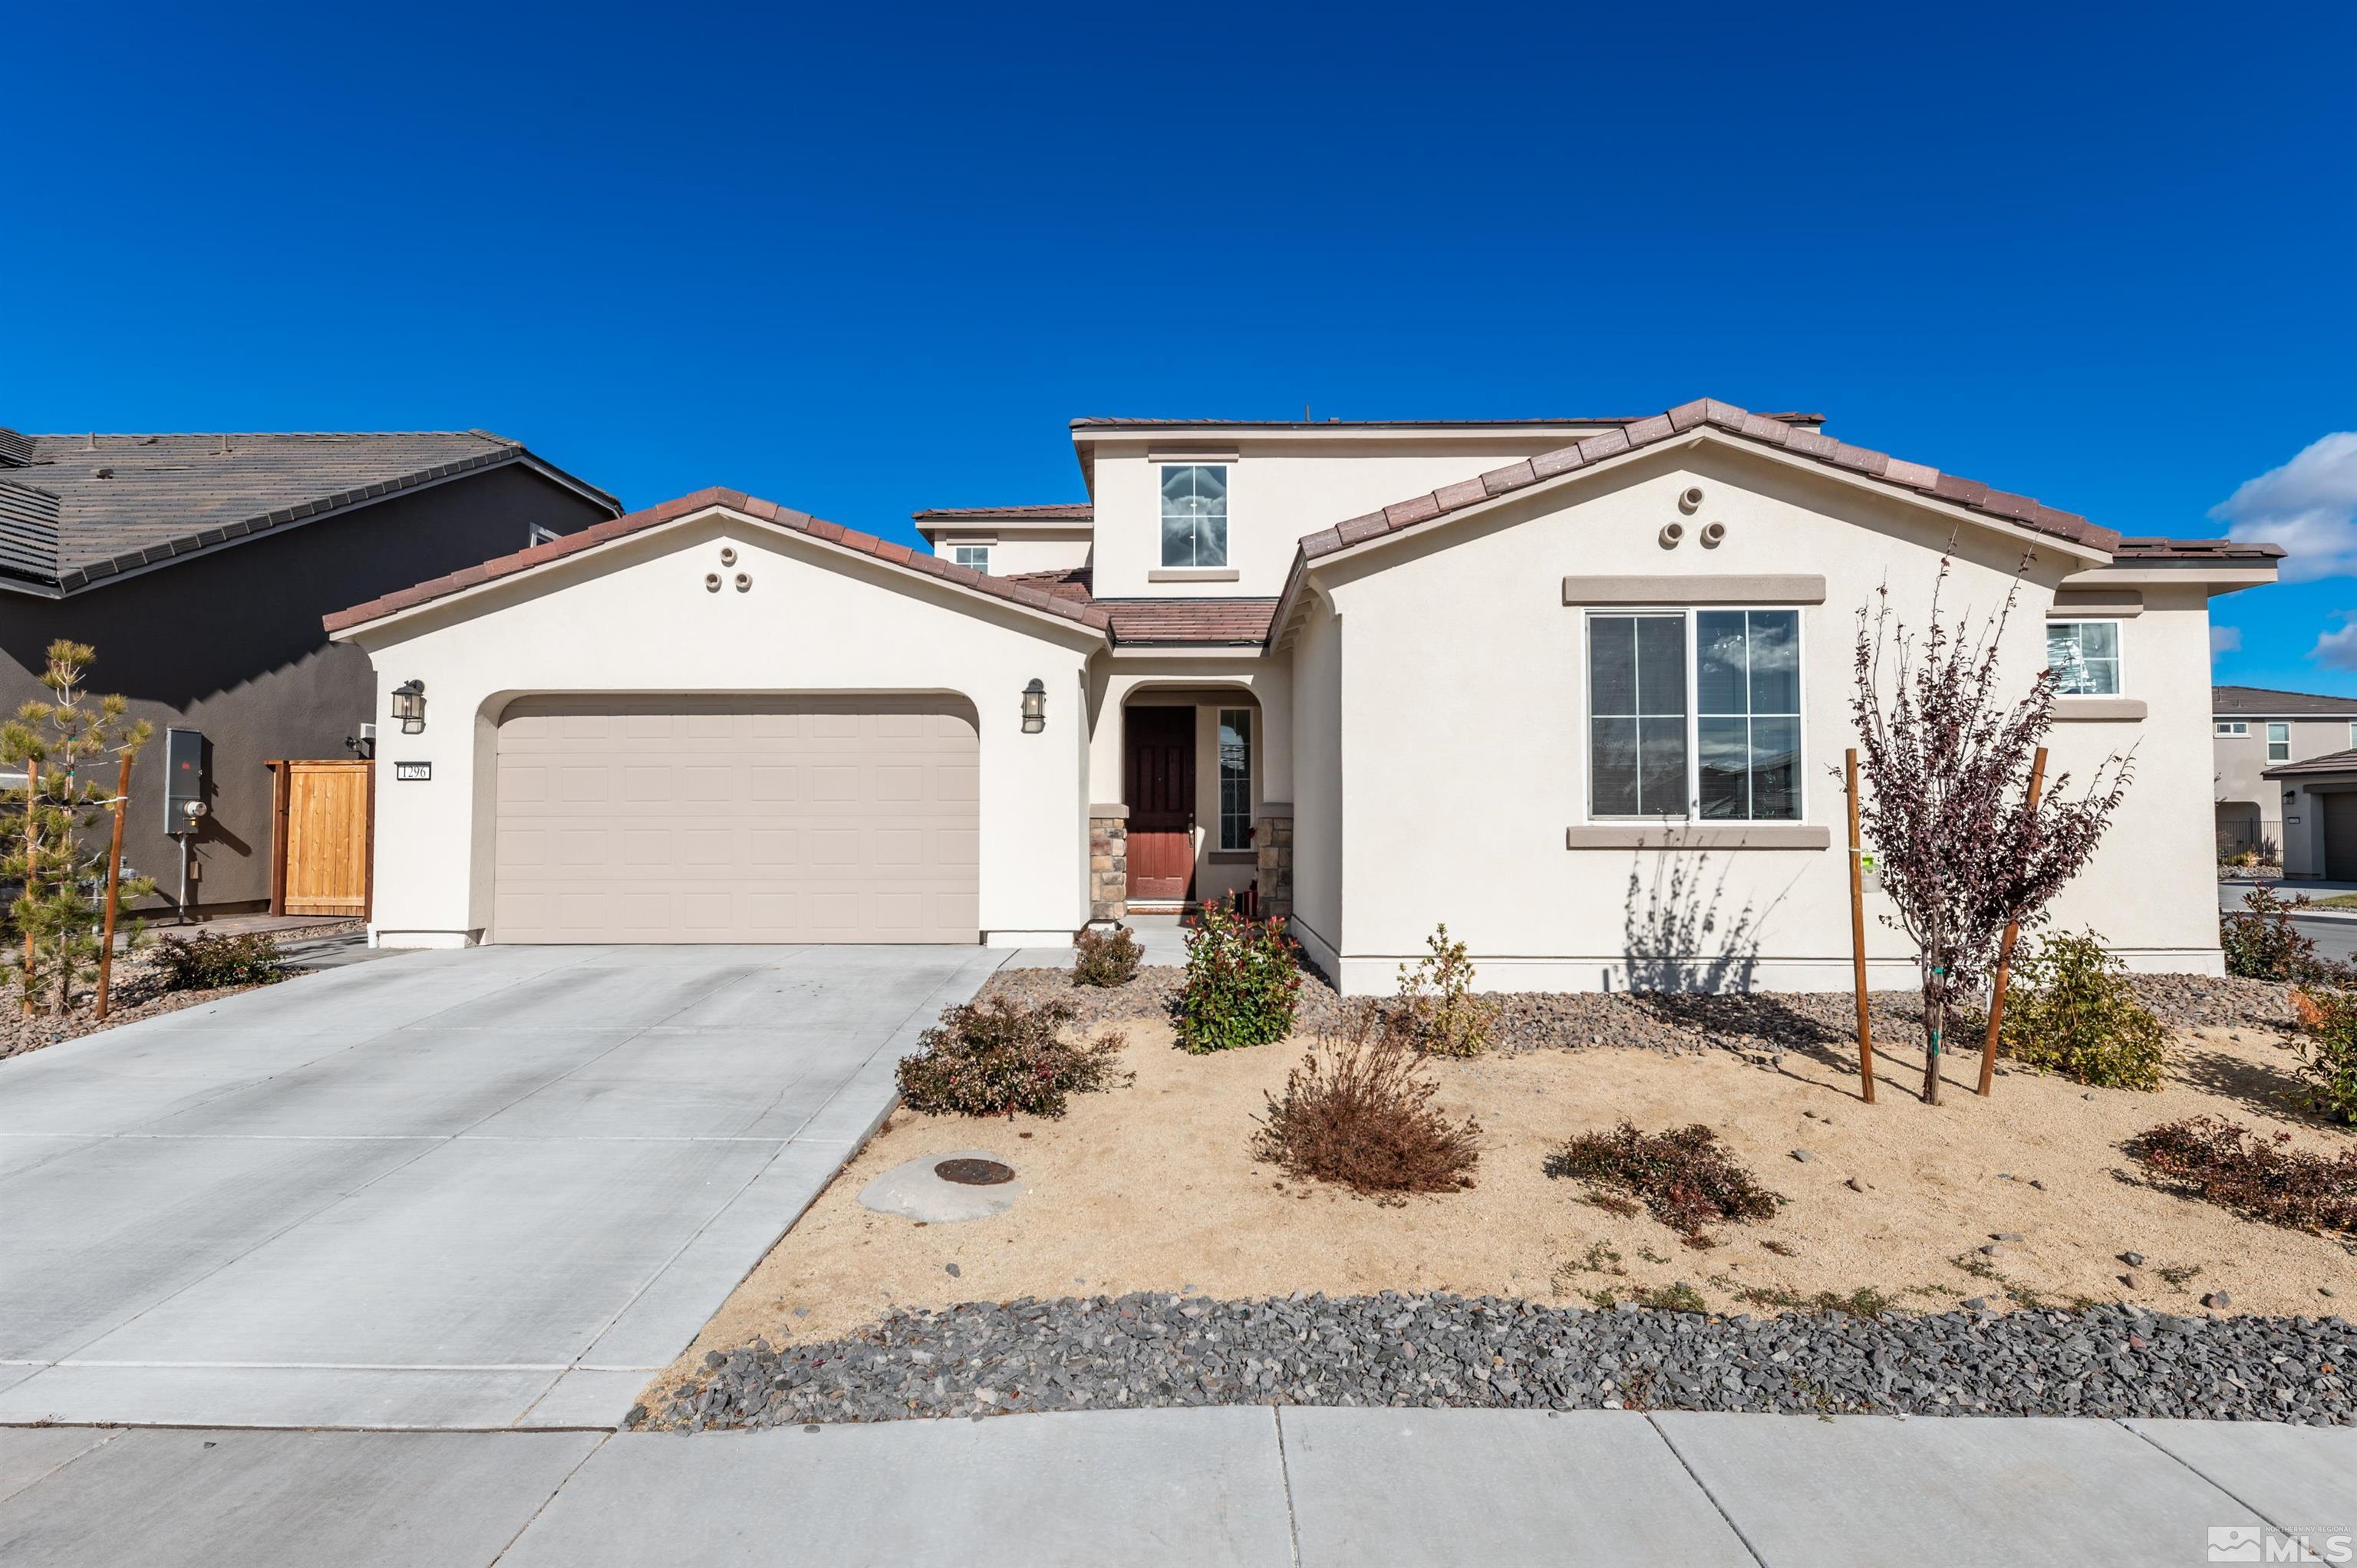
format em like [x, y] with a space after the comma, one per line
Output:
[1227, 516]
[2119, 661]
[2284, 725]
[1218, 764]
[1691, 817]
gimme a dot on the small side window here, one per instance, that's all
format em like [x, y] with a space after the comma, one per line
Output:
[975, 556]
[2231, 727]
[1235, 779]
[1195, 514]
[2280, 743]
[2085, 655]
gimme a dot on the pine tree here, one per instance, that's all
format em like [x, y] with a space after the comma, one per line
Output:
[70, 746]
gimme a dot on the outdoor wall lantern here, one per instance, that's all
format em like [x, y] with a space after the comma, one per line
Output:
[409, 706]
[1035, 707]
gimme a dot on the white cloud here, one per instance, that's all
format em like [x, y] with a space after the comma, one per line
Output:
[2337, 650]
[2308, 506]
[2225, 640]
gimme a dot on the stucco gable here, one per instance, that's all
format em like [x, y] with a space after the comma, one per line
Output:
[831, 535]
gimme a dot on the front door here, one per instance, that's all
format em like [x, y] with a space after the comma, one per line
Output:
[1159, 789]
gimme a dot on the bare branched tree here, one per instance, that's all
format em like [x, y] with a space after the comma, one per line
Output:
[1946, 760]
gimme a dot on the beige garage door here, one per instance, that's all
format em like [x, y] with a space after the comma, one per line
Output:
[736, 819]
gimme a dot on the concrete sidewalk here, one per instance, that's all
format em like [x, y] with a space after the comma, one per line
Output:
[1235, 1485]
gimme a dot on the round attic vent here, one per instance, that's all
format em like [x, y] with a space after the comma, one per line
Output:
[975, 1173]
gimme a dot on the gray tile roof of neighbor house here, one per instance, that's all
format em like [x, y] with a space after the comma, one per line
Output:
[2331, 763]
[2255, 702]
[79, 510]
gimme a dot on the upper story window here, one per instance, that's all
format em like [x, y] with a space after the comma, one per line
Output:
[1195, 514]
[975, 556]
[1235, 779]
[2280, 743]
[2085, 655]
[2352, 734]
[1694, 714]
[2234, 726]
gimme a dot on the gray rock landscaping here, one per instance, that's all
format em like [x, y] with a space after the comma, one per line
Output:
[1760, 1023]
[981, 1359]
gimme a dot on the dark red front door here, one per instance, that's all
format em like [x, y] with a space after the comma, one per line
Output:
[1159, 779]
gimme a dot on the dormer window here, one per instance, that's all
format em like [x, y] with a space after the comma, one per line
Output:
[977, 556]
[1195, 514]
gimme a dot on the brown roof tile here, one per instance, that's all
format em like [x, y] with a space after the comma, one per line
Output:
[1777, 430]
[1101, 421]
[1231, 622]
[892, 555]
[1056, 511]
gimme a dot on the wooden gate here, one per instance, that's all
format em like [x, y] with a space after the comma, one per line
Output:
[322, 848]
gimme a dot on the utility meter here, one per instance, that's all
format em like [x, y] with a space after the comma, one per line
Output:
[184, 780]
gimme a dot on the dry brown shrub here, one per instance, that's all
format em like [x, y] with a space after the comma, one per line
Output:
[1358, 1111]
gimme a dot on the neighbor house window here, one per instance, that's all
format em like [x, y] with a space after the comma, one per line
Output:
[975, 556]
[1235, 779]
[2280, 743]
[2235, 727]
[1694, 714]
[2352, 734]
[1195, 514]
[2085, 655]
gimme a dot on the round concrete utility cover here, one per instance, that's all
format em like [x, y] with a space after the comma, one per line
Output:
[918, 1190]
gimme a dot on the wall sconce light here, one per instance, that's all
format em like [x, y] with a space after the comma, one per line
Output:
[1035, 707]
[409, 706]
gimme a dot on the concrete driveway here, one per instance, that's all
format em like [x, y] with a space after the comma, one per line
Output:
[477, 1189]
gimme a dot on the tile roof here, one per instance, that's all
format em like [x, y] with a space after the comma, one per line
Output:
[1164, 622]
[2150, 548]
[81, 510]
[800, 523]
[1101, 421]
[1056, 511]
[2335, 762]
[1768, 430]
[2243, 702]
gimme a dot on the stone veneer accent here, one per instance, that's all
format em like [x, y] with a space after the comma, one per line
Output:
[1108, 863]
[1273, 855]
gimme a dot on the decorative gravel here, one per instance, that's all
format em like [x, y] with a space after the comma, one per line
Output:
[135, 991]
[981, 1359]
[1760, 1023]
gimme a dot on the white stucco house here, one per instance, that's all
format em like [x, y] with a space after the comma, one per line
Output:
[1577, 688]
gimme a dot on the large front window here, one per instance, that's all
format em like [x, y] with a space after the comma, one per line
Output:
[1195, 514]
[2085, 656]
[1235, 779]
[1694, 714]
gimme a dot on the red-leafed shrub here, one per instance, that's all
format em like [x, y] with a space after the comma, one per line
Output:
[1685, 1177]
[1240, 981]
[2236, 1167]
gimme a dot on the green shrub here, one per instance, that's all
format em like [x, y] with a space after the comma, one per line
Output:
[1686, 1177]
[1437, 995]
[2328, 1052]
[1107, 957]
[1240, 981]
[206, 962]
[2072, 1012]
[2262, 943]
[996, 1058]
[2236, 1167]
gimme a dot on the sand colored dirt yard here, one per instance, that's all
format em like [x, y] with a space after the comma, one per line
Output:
[1154, 1188]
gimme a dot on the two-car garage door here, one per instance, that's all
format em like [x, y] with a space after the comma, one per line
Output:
[737, 819]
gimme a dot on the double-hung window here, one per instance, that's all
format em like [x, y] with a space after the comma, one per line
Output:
[1195, 514]
[1235, 779]
[1694, 714]
[2280, 743]
[975, 556]
[2085, 656]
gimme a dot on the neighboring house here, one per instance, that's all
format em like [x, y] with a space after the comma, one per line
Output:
[1577, 688]
[198, 567]
[2287, 770]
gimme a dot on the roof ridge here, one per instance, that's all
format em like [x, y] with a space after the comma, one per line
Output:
[1786, 416]
[1762, 429]
[801, 522]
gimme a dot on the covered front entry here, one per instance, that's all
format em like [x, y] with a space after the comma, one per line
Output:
[816, 818]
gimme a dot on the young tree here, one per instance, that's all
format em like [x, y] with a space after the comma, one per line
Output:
[1946, 759]
[70, 748]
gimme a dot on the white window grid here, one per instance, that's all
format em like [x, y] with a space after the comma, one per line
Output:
[975, 556]
[2082, 673]
[1692, 814]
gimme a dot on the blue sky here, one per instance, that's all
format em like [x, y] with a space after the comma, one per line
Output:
[866, 263]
